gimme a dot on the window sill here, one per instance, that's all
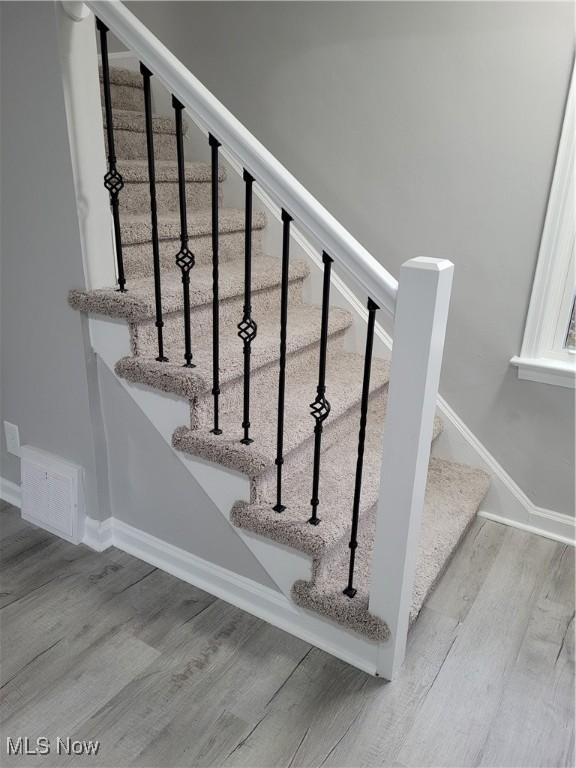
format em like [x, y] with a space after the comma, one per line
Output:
[546, 371]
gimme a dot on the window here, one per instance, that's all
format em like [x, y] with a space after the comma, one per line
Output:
[548, 352]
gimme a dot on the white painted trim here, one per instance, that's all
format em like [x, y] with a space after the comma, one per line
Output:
[542, 357]
[75, 9]
[562, 519]
[248, 595]
[81, 86]
[419, 333]
[505, 502]
[10, 492]
[208, 112]
[117, 56]
[98, 534]
[546, 371]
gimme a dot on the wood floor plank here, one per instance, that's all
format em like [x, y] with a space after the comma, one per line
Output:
[18, 536]
[317, 704]
[235, 692]
[222, 738]
[139, 713]
[388, 714]
[466, 572]
[38, 620]
[455, 717]
[150, 609]
[10, 521]
[165, 675]
[36, 567]
[86, 687]
[534, 723]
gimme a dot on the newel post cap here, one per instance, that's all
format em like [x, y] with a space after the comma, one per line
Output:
[428, 264]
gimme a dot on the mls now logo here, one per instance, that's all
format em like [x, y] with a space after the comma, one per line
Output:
[42, 746]
[24, 746]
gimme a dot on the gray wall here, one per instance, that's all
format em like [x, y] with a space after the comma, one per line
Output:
[427, 129]
[44, 387]
[51, 386]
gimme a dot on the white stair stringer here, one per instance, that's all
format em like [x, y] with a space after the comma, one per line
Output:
[110, 340]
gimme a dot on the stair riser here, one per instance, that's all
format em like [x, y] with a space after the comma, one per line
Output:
[135, 197]
[144, 335]
[131, 145]
[138, 257]
[232, 393]
[125, 97]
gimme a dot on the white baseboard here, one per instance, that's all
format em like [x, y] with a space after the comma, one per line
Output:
[540, 530]
[267, 604]
[10, 492]
[505, 502]
[98, 535]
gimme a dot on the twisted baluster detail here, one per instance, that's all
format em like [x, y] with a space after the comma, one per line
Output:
[320, 408]
[247, 328]
[113, 181]
[185, 259]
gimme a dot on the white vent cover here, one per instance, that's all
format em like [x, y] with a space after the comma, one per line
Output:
[51, 493]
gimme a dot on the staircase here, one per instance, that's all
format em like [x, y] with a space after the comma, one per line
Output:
[281, 459]
[454, 491]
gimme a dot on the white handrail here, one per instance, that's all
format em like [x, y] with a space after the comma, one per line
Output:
[350, 256]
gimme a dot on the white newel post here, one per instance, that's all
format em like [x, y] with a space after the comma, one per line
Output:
[79, 63]
[419, 330]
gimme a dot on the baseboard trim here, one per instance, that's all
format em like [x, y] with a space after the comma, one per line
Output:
[527, 515]
[98, 535]
[539, 530]
[10, 492]
[263, 602]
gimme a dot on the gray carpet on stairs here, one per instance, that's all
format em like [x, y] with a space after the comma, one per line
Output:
[454, 491]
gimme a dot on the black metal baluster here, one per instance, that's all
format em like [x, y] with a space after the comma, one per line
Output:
[247, 327]
[372, 307]
[113, 180]
[321, 407]
[146, 75]
[286, 219]
[184, 258]
[214, 145]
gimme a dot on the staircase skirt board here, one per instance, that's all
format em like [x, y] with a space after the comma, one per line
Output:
[454, 491]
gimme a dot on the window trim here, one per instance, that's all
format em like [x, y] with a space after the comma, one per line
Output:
[542, 357]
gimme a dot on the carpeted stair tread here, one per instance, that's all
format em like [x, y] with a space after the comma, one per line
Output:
[135, 122]
[138, 303]
[136, 228]
[136, 171]
[336, 491]
[344, 374]
[122, 76]
[304, 324]
[453, 495]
